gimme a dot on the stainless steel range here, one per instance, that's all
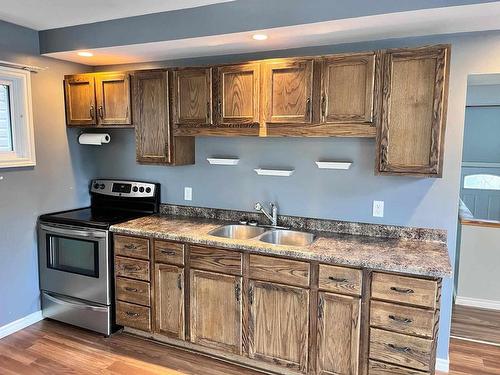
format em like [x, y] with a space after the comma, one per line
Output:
[76, 256]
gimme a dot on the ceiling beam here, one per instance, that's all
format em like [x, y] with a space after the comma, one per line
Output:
[224, 18]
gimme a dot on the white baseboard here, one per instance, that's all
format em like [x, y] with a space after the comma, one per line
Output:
[19, 324]
[442, 365]
[477, 302]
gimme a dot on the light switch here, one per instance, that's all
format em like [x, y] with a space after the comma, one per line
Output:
[188, 193]
[378, 208]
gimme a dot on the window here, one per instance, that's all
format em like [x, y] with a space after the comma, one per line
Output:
[482, 182]
[17, 147]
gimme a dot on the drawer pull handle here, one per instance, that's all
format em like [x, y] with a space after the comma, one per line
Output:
[400, 319]
[130, 246]
[128, 289]
[337, 279]
[131, 268]
[167, 252]
[402, 290]
[400, 349]
[131, 314]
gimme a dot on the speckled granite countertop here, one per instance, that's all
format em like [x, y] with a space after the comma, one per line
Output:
[411, 256]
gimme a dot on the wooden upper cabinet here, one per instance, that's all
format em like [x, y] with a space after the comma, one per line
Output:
[338, 334]
[237, 94]
[216, 311]
[279, 324]
[415, 89]
[80, 100]
[154, 141]
[193, 97]
[113, 99]
[288, 91]
[151, 117]
[169, 281]
[347, 88]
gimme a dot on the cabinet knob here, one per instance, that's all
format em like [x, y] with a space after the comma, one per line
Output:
[323, 106]
[101, 112]
[402, 290]
[400, 319]
[308, 107]
[179, 282]
[92, 112]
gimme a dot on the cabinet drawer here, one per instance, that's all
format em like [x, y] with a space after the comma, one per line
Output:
[404, 289]
[131, 246]
[340, 279]
[133, 291]
[403, 319]
[400, 349]
[279, 270]
[205, 258]
[132, 268]
[169, 252]
[133, 316]
[379, 368]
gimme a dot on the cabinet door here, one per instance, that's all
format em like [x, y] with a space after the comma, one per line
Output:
[169, 286]
[193, 97]
[410, 140]
[238, 92]
[348, 88]
[80, 100]
[338, 334]
[216, 311]
[113, 99]
[288, 86]
[278, 328]
[151, 119]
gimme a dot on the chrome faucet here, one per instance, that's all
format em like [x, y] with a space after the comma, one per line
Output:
[273, 216]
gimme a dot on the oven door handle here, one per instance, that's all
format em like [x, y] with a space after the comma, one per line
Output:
[73, 303]
[73, 232]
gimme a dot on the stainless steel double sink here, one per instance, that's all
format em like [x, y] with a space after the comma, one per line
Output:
[272, 236]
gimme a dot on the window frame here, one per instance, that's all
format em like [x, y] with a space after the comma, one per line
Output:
[482, 174]
[21, 119]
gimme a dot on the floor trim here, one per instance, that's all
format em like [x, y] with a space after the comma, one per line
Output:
[19, 324]
[443, 365]
[477, 302]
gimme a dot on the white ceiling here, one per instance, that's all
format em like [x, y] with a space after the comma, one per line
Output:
[51, 14]
[414, 23]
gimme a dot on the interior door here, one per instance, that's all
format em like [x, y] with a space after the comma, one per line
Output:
[216, 311]
[169, 286]
[348, 88]
[338, 334]
[113, 99]
[238, 94]
[80, 100]
[278, 328]
[288, 86]
[193, 97]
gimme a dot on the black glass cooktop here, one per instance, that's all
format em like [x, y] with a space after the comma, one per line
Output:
[91, 217]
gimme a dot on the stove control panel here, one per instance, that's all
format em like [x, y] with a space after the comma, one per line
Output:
[123, 188]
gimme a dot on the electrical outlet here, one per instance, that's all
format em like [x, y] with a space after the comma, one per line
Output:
[188, 193]
[378, 208]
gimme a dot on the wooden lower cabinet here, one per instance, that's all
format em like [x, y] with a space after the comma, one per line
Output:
[216, 318]
[276, 314]
[279, 324]
[169, 296]
[338, 334]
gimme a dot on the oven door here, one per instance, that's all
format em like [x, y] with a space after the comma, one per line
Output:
[74, 262]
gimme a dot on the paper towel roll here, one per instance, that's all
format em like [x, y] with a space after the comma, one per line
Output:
[96, 139]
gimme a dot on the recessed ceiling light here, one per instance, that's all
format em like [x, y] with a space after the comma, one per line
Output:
[259, 36]
[85, 54]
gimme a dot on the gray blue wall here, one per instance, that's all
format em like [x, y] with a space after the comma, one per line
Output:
[58, 181]
[482, 124]
[345, 195]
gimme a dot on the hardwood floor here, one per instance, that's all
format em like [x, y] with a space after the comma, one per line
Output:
[55, 348]
[476, 324]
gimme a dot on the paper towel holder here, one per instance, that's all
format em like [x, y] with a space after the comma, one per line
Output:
[94, 139]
